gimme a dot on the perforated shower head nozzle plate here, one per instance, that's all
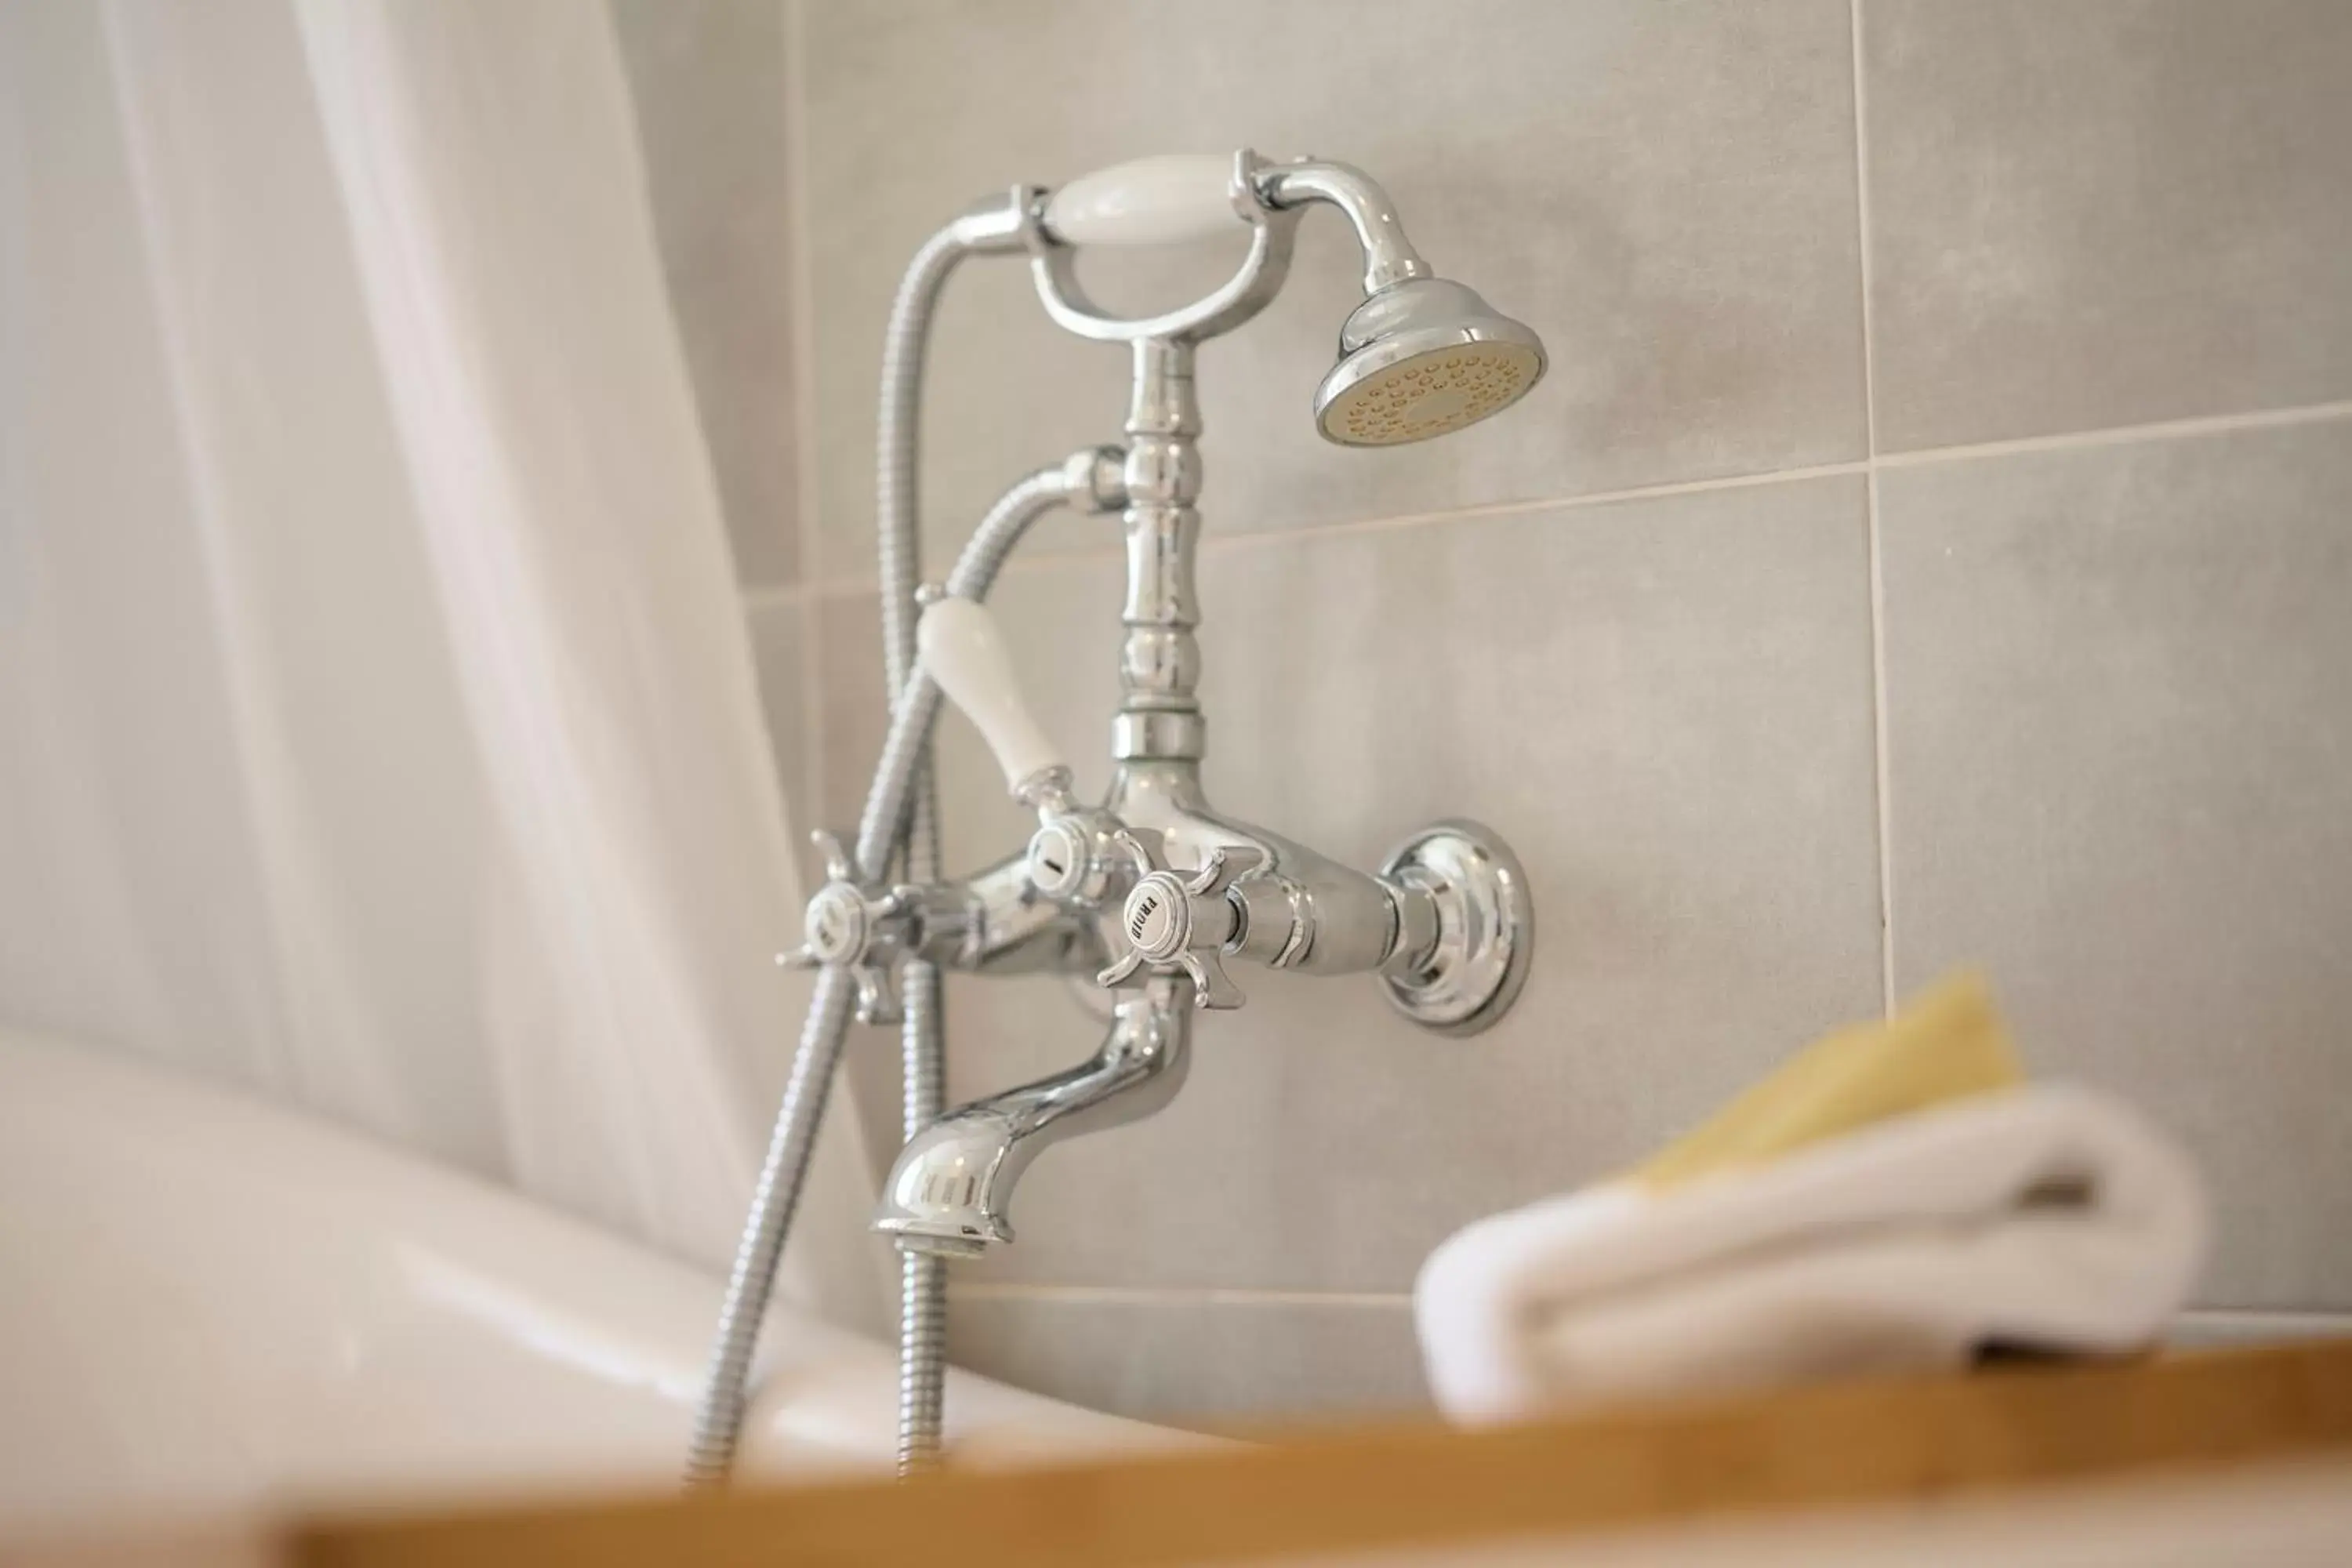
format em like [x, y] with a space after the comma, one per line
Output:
[1422, 359]
[1429, 392]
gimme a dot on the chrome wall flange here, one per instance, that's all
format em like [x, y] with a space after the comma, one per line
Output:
[1468, 975]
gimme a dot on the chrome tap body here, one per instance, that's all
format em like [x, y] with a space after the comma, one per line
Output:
[1153, 880]
[1445, 924]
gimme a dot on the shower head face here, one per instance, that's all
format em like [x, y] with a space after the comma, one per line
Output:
[1423, 358]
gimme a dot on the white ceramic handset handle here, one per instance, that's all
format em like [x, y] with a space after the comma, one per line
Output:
[961, 648]
[1151, 201]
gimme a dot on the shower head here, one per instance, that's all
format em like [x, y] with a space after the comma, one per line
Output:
[1420, 358]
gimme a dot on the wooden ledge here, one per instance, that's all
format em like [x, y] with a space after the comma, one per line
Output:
[1833, 1447]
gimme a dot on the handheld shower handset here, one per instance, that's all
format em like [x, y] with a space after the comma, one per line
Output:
[1421, 356]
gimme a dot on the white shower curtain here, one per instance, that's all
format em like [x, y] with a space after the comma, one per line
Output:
[376, 722]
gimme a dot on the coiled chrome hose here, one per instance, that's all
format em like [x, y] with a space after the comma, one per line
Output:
[922, 1278]
[719, 1423]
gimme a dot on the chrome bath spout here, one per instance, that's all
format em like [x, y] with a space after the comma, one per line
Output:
[949, 1190]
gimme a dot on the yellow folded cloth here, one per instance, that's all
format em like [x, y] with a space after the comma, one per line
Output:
[1947, 1045]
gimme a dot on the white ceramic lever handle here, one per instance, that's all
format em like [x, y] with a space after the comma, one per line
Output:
[959, 646]
[1151, 201]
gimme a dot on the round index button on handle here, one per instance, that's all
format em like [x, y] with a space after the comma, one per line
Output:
[1177, 921]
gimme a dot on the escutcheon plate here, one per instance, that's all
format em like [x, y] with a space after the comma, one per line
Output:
[1485, 928]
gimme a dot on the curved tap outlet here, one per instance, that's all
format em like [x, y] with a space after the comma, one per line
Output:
[953, 1185]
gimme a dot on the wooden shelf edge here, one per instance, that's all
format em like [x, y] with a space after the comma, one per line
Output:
[1840, 1446]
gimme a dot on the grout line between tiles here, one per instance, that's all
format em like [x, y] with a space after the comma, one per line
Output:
[803, 304]
[1211, 1295]
[2253, 1320]
[1262, 537]
[2282, 1321]
[1220, 543]
[1871, 465]
[814, 742]
[1882, 750]
[1879, 708]
[2123, 434]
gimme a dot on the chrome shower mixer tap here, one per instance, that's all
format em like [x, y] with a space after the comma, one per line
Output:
[1172, 893]
[1154, 892]
[1177, 892]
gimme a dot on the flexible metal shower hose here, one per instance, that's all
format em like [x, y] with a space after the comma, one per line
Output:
[719, 1423]
[922, 1279]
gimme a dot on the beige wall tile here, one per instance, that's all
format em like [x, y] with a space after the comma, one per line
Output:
[852, 720]
[780, 651]
[2120, 744]
[1208, 1363]
[1667, 194]
[2112, 670]
[853, 710]
[2085, 216]
[708, 77]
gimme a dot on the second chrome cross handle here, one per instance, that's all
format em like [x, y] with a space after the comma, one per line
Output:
[1175, 921]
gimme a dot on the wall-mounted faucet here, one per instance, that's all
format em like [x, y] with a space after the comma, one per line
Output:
[1154, 892]
[1178, 893]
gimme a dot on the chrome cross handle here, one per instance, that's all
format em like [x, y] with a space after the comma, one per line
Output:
[849, 925]
[1177, 922]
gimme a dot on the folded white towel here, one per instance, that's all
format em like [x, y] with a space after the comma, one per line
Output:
[2050, 1218]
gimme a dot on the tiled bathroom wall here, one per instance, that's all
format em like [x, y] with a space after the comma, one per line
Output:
[1932, 546]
